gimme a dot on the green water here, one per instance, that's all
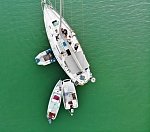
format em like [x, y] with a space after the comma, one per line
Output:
[115, 36]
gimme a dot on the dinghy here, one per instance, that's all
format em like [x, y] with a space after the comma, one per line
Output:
[69, 96]
[45, 58]
[54, 102]
[65, 45]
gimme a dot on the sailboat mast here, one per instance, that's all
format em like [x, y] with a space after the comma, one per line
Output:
[60, 16]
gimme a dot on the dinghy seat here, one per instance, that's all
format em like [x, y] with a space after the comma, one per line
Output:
[51, 115]
[70, 102]
[47, 57]
[56, 97]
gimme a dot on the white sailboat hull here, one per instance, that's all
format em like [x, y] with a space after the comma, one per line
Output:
[66, 49]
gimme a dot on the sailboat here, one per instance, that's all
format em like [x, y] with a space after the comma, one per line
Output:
[54, 102]
[65, 45]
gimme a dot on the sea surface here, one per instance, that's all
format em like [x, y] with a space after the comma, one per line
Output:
[115, 37]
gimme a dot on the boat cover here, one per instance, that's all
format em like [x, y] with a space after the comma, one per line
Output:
[82, 60]
[73, 67]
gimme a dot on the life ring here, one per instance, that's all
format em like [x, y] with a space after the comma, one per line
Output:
[93, 79]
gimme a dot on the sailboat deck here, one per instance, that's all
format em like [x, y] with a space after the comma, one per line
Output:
[66, 47]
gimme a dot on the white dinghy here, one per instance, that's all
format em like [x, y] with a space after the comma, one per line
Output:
[65, 46]
[69, 96]
[54, 102]
[45, 58]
